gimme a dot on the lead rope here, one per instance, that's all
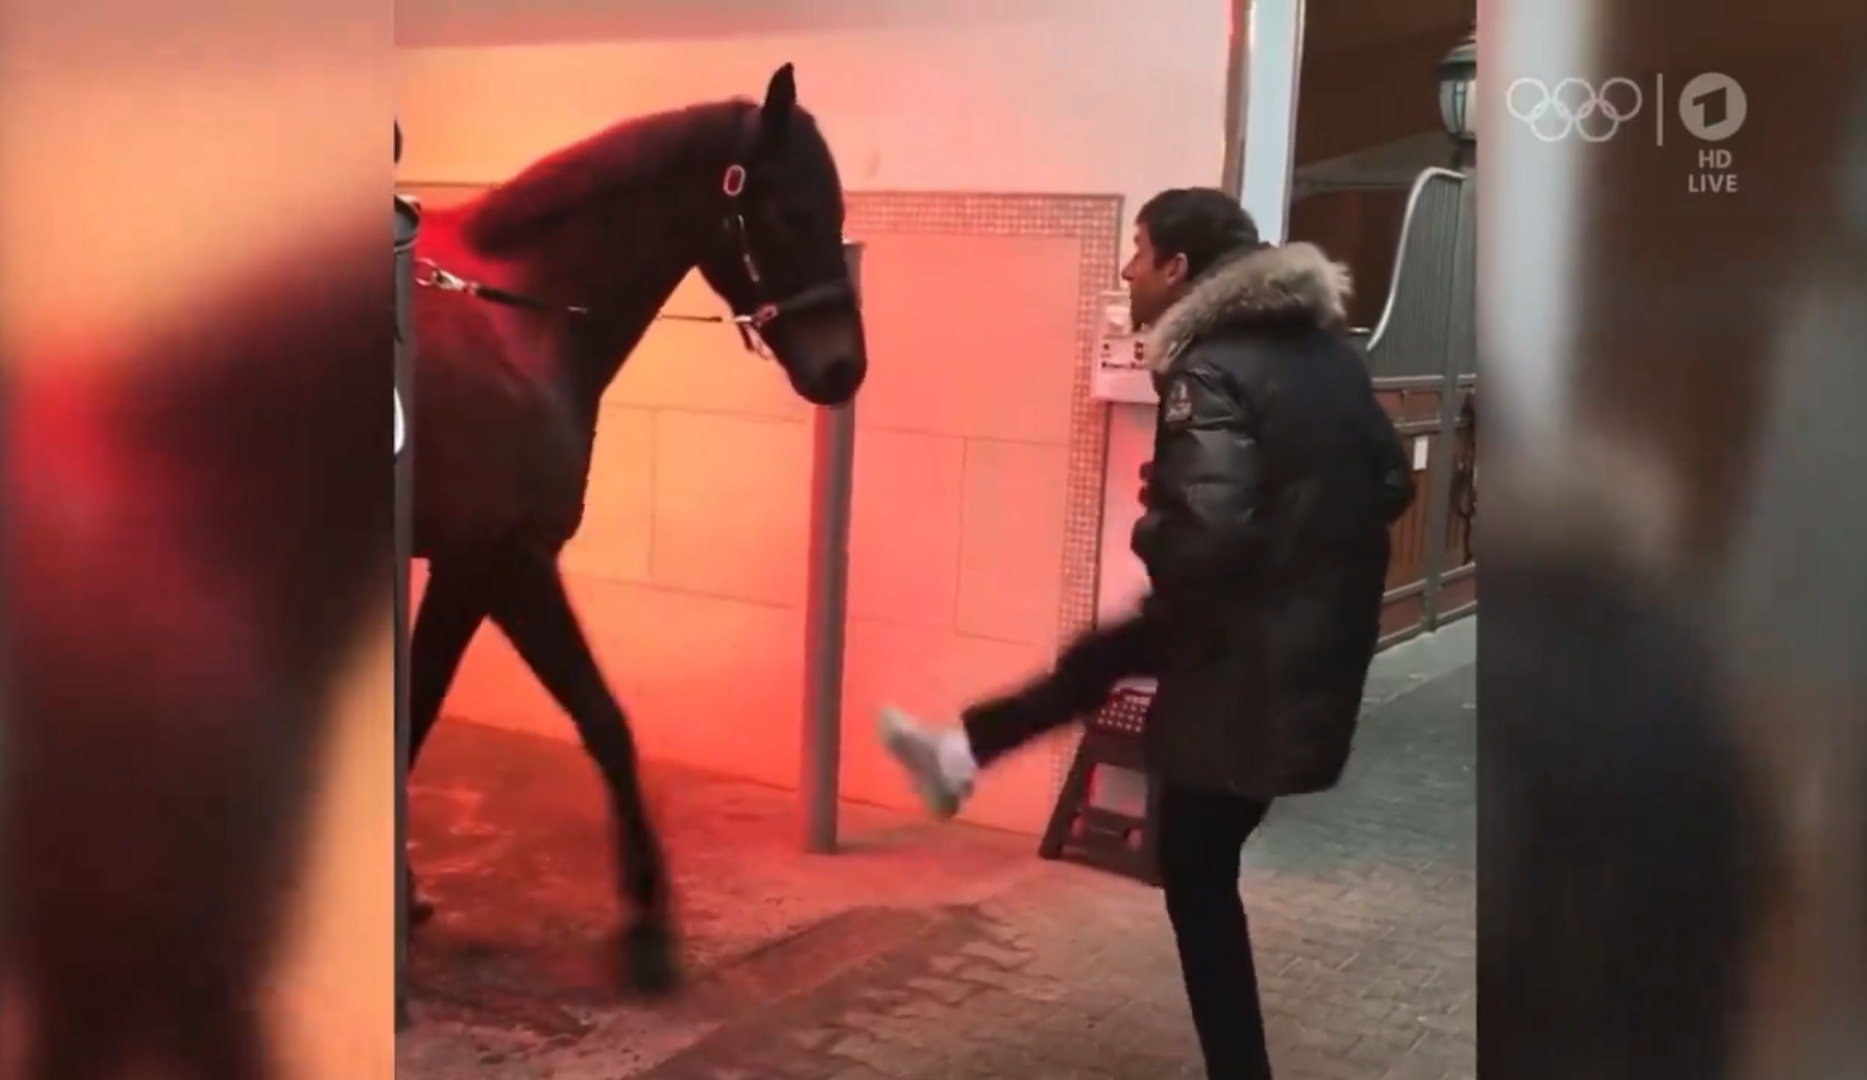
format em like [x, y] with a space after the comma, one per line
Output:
[443, 280]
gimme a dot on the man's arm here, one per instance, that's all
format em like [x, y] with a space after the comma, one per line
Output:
[1201, 523]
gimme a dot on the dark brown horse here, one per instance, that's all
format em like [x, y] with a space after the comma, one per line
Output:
[536, 294]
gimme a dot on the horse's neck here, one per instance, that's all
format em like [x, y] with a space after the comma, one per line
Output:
[643, 249]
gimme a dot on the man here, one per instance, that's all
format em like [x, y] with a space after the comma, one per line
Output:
[1274, 478]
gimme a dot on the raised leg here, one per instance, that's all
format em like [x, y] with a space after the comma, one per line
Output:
[530, 606]
[1085, 675]
[452, 608]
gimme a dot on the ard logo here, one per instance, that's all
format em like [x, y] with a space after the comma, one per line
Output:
[1713, 107]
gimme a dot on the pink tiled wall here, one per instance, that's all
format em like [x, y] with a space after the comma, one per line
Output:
[977, 499]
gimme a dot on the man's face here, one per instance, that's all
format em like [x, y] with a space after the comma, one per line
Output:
[1153, 283]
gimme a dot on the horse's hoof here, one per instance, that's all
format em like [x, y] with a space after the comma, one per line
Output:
[420, 908]
[648, 962]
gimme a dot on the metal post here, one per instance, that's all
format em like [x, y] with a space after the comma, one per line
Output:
[1273, 67]
[1237, 93]
[832, 482]
[1445, 444]
[407, 225]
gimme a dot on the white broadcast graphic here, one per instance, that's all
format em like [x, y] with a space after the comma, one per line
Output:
[398, 422]
[1712, 107]
[1574, 107]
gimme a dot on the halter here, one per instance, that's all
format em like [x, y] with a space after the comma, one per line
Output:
[750, 324]
[767, 311]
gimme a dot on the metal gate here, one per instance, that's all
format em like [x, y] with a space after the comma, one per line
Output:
[1424, 359]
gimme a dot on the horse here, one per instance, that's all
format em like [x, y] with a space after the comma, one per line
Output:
[530, 299]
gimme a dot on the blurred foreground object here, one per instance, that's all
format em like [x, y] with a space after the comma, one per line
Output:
[1673, 765]
[197, 340]
[177, 631]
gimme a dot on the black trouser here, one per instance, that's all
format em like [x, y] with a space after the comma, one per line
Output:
[1085, 674]
[1202, 836]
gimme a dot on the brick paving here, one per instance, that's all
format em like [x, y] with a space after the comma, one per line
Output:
[967, 957]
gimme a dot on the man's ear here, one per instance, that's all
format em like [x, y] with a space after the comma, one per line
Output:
[1176, 269]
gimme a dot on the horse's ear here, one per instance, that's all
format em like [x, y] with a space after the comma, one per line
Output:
[780, 99]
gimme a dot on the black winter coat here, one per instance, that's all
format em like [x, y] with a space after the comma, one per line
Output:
[1275, 476]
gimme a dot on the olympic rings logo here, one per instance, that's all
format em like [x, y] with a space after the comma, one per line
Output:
[1554, 113]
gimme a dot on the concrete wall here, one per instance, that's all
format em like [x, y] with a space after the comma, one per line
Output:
[1054, 96]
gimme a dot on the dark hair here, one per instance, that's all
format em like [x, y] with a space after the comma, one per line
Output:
[1203, 224]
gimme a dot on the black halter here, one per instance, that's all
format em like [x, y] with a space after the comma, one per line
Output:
[766, 310]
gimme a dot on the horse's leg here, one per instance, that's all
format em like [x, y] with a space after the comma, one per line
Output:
[452, 608]
[533, 610]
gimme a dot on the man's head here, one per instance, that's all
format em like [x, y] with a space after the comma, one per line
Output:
[1179, 235]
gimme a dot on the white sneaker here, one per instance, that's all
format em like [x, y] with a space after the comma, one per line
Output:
[938, 761]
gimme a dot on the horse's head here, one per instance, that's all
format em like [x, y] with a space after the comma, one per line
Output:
[781, 261]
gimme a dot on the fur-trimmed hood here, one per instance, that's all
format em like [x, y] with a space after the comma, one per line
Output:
[1271, 284]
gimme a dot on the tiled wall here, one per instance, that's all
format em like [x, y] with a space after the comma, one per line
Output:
[977, 513]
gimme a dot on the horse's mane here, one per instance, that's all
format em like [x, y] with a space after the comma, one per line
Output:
[631, 153]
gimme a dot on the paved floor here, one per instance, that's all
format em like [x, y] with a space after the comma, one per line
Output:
[946, 952]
